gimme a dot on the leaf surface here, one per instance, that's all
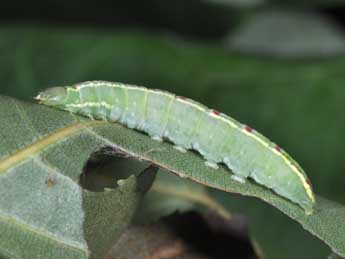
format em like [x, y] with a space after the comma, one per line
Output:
[325, 222]
[44, 212]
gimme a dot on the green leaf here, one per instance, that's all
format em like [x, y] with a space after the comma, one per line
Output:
[44, 212]
[109, 213]
[326, 222]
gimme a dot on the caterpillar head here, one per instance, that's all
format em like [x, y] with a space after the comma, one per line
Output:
[54, 96]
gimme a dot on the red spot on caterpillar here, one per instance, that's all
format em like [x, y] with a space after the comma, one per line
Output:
[216, 112]
[182, 97]
[278, 148]
[247, 128]
[50, 182]
[308, 181]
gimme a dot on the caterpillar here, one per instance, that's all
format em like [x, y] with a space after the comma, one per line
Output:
[189, 125]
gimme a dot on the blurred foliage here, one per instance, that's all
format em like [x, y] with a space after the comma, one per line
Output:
[298, 104]
[178, 236]
[170, 193]
[288, 33]
[254, 3]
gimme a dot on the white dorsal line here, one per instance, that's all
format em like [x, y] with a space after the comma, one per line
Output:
[200, 108]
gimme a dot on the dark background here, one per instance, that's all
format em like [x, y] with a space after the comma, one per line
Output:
[203, 20]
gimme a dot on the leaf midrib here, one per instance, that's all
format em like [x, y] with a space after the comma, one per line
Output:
[36, 147]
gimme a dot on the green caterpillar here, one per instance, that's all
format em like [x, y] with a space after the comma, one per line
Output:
[189, 125]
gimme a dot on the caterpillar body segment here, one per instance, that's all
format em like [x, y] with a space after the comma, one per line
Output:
[184, 135]
[158, 108]
[189, 125]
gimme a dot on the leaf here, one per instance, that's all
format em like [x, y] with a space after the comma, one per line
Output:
[109, 213]
[325, 222]
[44, 213]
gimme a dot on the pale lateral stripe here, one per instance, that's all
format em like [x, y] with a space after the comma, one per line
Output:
[88, 104]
